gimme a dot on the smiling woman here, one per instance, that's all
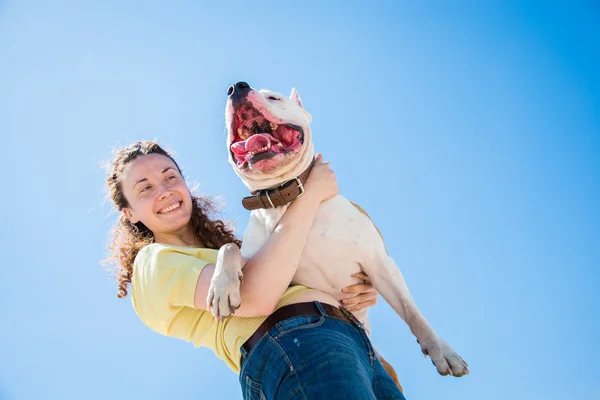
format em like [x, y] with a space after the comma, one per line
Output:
[167, 248]
[159, 196]
[153, 172]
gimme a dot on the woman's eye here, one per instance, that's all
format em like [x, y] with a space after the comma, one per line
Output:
[171, 177]
[145, 188]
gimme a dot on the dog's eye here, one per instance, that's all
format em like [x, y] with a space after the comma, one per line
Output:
[273, 98]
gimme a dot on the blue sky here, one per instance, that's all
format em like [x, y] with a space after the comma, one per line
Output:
[479, 122]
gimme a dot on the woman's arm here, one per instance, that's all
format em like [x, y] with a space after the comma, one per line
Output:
[269, 272]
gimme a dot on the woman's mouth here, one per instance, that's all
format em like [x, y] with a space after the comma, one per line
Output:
[171, 208]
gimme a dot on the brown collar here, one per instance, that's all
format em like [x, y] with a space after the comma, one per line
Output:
[279, 196]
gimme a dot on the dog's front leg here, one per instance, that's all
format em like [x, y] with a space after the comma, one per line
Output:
[224, 291]
[389, 282]
[255, 235]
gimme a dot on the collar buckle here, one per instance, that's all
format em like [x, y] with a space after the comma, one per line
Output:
[300, 185]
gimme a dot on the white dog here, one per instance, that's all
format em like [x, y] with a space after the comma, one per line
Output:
[270, 148]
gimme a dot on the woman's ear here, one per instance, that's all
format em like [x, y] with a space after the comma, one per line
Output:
[129, 214]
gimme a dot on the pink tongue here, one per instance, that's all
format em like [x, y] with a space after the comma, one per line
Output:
[258, 141]
[239, 148]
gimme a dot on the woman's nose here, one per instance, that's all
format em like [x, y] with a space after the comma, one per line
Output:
[166, 193]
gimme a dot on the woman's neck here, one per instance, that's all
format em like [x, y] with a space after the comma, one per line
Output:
[185, 238]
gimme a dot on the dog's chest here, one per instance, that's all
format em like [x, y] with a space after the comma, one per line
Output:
[335, 246]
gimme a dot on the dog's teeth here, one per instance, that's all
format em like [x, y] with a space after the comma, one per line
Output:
[261, 150]
[274, 126]
[243, 133]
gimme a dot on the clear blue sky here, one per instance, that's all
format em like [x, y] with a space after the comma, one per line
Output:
[479, 122]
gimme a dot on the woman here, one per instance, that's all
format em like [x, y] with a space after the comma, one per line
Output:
[166, 248]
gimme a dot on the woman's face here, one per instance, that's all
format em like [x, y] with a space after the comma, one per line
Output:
[157, 195]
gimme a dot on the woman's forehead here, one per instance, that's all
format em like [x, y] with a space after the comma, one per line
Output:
[147, 165]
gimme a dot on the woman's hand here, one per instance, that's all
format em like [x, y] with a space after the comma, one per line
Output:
[321, 181]
[359, 296]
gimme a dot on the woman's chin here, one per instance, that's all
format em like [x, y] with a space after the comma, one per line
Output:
[174, 224]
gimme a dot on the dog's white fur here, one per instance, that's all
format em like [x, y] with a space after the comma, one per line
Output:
[342, 241]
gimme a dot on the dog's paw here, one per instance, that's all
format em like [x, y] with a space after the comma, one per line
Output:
[224, 291]
[445, 359]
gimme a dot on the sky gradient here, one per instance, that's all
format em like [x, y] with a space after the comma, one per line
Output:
[480, 123]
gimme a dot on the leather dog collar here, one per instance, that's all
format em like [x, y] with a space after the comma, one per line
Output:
[281, 195]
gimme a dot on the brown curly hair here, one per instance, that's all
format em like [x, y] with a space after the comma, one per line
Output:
[128, 239]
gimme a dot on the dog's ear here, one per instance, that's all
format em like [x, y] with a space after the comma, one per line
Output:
[296, 97]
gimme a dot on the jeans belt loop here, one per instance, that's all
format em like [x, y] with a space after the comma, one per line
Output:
[244, 352]
[320, 308]
[352, 318]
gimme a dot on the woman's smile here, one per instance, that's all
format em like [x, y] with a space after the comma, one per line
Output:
[173, 207]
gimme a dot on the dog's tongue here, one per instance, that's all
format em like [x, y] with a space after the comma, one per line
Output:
[254, 143]
[258, 141]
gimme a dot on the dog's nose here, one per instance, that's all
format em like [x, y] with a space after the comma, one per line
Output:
[239, 89]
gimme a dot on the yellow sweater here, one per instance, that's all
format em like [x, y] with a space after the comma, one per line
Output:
[162, 291]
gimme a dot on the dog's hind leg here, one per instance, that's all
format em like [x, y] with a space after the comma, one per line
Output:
[390, 370]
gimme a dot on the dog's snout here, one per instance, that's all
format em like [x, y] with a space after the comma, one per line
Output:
[239, 89]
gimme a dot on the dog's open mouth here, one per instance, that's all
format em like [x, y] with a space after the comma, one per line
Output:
[256, 138]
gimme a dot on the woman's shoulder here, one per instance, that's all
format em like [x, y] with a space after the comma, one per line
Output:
[149, 253]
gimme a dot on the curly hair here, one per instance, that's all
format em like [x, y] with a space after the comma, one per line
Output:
[128, 239]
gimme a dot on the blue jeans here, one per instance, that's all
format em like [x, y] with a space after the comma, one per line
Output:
[315, 357]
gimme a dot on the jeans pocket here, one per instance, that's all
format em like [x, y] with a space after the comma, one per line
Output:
[295, 323]
[253, 390]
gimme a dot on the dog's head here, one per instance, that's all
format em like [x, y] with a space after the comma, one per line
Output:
[269, 138]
